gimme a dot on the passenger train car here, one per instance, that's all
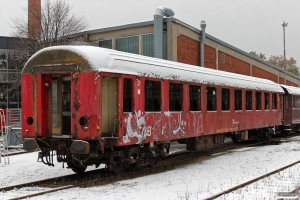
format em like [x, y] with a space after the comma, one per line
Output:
[91, 106]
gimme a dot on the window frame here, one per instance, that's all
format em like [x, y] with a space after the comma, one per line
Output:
[127, 45]
[192, 100]
[226, 106]
[296, 102]
[267, 101]
[213, 106]
[153, 96]
[239, 107]
[248, 107]
[107, 43]
[177, 104]
[129, 93]
[258, 100]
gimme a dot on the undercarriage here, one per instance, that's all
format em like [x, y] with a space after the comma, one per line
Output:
[116, 159]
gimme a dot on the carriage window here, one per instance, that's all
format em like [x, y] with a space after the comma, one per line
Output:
[211, 99]
[238, 99]
[267, 104]
[258, 100]
[127, 95]
[296, 101]
[152, 96]
[194, 98]
[274, 101]
[175, 97]
[225, 99]
[248, 100]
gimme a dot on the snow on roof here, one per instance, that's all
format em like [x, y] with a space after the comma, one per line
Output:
[101, 59]
[292, 90]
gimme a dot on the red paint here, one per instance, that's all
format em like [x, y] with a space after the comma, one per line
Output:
[88, 93]
[28, 104]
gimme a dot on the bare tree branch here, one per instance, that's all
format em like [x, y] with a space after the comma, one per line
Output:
[53, 25]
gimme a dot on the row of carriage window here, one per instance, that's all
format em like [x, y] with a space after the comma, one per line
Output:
[153, 97]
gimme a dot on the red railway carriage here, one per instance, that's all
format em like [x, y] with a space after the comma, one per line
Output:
[291, 109]
[92, 105]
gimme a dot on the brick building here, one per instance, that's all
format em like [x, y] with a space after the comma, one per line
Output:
[182, 43]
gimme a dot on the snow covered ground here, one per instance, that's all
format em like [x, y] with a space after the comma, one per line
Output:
[192, 181]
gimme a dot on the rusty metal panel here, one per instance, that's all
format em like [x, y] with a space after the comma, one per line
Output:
[42, 105]
[86, 107]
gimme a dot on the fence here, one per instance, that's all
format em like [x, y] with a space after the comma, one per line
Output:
[13, 119]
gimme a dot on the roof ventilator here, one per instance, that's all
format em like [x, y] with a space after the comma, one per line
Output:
[160, 13]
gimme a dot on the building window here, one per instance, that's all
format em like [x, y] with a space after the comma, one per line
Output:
[223, 57]
[175, 97]
[105, 44]
[258, 100]
[194, 98]
[211, 99]
[128, 44]
[152, 95]
[148, 45]
[225, 99]
[127, 95]
[274, 101]
[267, 101]
[248, 100]
[238, 100]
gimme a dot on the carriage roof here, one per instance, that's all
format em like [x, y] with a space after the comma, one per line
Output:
[291, 89]
[91, 58]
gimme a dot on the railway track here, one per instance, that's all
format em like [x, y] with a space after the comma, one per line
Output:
[102, 176]
[229, 190]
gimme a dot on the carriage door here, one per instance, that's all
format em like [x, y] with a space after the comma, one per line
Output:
[61, 105]
[109, 106]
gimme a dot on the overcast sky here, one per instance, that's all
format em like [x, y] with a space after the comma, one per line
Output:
[250, 25]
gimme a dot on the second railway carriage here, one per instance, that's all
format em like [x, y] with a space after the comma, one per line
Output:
[291, 109]
[89, 105]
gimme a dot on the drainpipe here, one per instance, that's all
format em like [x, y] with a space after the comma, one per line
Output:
[159, 14]
[202, 25]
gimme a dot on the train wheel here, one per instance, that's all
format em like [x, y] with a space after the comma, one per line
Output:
[234, 138]
[78, 170]
[153, 161]
[259, 136]
[119, 166]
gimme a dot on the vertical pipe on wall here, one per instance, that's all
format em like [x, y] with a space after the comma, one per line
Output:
[202, 25]
[159, 14]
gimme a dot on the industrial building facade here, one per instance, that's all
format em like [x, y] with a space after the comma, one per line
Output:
[181, 43]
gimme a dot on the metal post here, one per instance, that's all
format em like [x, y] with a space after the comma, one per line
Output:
[284, 25]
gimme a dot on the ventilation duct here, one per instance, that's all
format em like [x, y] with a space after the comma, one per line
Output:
[160, 13]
